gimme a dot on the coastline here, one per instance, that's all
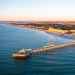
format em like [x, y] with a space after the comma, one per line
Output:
[55, 31]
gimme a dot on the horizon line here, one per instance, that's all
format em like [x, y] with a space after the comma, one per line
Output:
[12, 18]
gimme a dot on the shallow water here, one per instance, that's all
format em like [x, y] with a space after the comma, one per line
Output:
[56, 62]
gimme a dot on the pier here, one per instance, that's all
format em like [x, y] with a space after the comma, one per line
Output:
[51, 47]
[24, 53]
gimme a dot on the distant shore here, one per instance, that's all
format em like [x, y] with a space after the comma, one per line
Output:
[45, 28]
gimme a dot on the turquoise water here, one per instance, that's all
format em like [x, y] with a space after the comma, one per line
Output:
[56, 62]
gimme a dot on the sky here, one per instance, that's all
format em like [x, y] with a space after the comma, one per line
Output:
[37, 9]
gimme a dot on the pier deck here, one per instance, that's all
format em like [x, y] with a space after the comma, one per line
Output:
[23, 53]
[50, 47]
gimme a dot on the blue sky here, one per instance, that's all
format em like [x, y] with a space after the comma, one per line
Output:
[37, 8]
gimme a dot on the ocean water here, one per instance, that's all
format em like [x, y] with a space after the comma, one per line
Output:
[56, 62]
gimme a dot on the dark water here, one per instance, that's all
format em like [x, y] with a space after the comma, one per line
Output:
[56, 62]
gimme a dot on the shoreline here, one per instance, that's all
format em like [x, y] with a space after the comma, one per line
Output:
[55, 31]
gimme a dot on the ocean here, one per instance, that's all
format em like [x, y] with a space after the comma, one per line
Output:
[56, 62]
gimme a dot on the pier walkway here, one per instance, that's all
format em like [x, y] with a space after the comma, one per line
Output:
[23, 53]
[51, 47]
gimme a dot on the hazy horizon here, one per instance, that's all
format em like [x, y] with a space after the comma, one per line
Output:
[49, 10]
